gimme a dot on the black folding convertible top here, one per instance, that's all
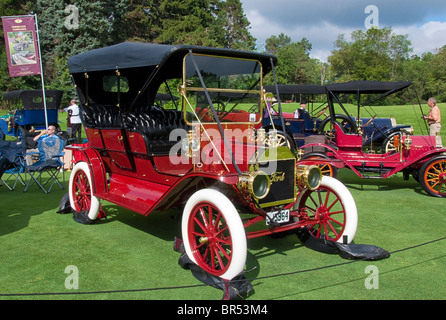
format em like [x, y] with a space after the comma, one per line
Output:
[361, 87]
[134, 54]
[296, 89]
[29, 101]
[368, 87]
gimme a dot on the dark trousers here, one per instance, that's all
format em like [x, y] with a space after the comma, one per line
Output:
[76, 132]
[4, 164]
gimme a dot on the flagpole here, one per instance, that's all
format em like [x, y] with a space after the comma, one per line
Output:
[40, 59]
[41, 71]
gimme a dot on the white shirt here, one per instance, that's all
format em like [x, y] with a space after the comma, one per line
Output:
[74, 118]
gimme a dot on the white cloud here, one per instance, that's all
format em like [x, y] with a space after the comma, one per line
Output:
[321, 36]
[427, 37]
[261, 27]
[322, 21]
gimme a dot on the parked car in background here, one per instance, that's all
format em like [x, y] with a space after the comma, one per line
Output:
[416, 155]
[376, 131]
[26, 111]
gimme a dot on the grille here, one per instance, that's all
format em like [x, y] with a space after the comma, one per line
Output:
[283, 182]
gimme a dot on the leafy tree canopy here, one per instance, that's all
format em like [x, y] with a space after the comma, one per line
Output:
[71, 27]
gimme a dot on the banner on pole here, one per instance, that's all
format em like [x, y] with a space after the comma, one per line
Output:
[21, 46]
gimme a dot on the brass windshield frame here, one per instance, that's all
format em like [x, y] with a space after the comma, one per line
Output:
[184, 89]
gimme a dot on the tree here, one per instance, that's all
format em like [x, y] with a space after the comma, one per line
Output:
[71, 29]
[275, 43]
[184, 22]
[214, 23]
[376, 54]
[67, 30]
[294, 63]
[235, 26]
[436, 79]
[416, 69]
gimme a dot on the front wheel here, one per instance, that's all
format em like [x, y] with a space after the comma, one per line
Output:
[213, 234]
[432, 176]
[330, 211]
[80, 192]
[326, 168]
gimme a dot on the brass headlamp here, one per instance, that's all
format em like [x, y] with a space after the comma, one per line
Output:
[255, 184]
[308, 176]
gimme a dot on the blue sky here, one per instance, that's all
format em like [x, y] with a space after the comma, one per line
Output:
[321, 21]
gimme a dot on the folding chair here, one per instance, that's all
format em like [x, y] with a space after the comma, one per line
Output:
[10, 164]
[49, 163]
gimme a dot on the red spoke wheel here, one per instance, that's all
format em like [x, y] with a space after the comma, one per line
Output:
[80, 192]
[213, 234]
[433, 176]
[330, 211]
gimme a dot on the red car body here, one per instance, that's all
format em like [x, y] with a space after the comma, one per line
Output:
[232, 181]
[418, 155]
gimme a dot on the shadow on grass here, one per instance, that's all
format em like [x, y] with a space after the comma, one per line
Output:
[395, 182]
[163, 225]
[17, 207]
[167, 225]
[266, 246]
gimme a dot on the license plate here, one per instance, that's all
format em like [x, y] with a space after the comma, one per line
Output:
[280, 216]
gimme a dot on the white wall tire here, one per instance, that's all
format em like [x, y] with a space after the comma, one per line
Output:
[332, 209]
[80, 192]
[213, 234]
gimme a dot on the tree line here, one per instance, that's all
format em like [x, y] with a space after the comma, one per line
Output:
[72, 27]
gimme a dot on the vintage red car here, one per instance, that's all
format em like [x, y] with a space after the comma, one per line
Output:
[233, 182]
[421, 156]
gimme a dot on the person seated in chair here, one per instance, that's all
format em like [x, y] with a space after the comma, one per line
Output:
[31, 145]
[51, 139]
[46, 133]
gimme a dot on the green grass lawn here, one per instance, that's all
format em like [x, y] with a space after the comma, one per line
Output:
[126, 252]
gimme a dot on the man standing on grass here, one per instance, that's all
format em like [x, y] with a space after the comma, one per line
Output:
[434, 120]
[75, 120]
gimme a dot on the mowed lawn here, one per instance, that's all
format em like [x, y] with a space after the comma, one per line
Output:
[129, 256]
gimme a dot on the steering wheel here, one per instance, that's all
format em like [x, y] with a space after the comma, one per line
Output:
[347, 123]
[219, 107]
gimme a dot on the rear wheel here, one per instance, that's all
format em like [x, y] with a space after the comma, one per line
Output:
[432, 176]
[282, 139]
[213, 234]
[80, 192]
[330, 210]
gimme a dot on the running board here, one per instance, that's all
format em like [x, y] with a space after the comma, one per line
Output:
[366, 172]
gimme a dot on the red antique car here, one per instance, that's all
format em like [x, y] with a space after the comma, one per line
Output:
[421, 156]
[232, 181]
